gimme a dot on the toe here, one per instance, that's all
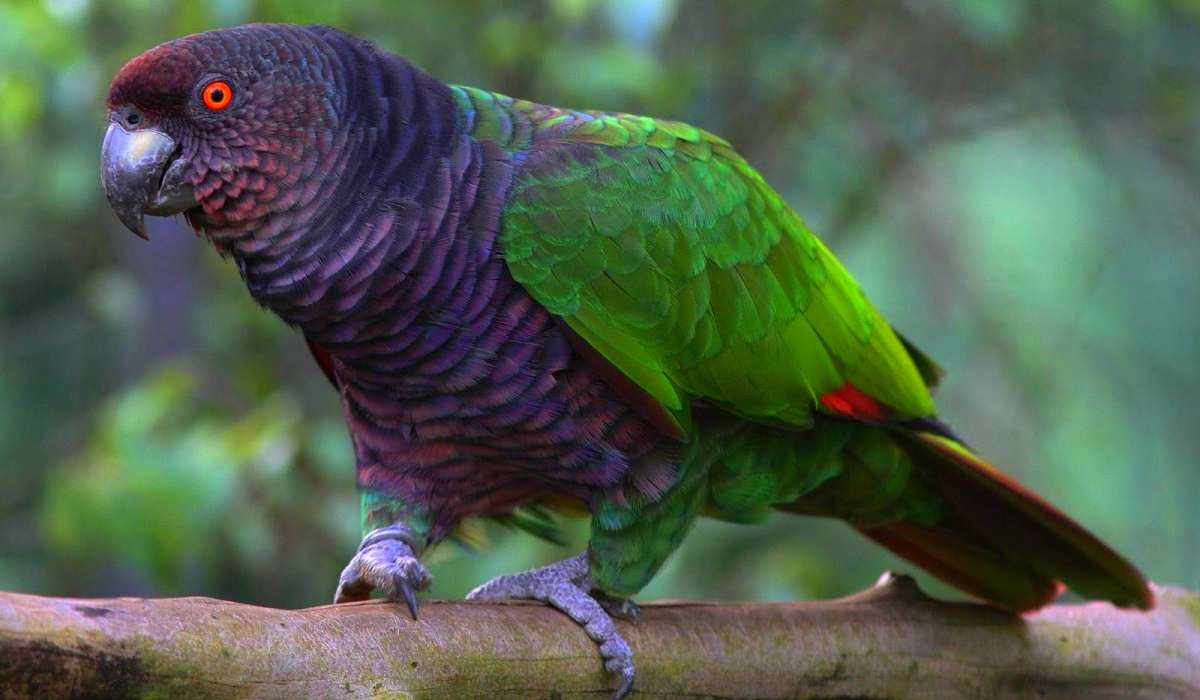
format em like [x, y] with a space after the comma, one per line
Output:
[351, 586]
[351, 592]
[504, 587]
[626, 683]
[387, 566]
[564, 586]
[620, 608]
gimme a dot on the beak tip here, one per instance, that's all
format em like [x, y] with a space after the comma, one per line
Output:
[135, 222]
[141, 174]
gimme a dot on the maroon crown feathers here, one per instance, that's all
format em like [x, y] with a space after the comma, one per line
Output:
[159, 78]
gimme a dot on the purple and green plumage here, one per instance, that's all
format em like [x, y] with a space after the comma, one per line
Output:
[527, 308]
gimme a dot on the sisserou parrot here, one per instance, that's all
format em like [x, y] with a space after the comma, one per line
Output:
[527, 309]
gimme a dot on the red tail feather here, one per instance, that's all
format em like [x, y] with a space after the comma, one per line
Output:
[1001, 541]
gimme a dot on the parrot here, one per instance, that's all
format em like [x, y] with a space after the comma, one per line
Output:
[531, 312]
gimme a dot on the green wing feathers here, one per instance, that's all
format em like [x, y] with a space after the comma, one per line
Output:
[687, 281]
[668, 254]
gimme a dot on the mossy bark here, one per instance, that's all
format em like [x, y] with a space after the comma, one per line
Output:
[889, 642]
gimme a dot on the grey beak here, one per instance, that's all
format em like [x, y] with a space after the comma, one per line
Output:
[142, 174]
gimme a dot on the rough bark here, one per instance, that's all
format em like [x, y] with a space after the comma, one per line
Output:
[888, 642]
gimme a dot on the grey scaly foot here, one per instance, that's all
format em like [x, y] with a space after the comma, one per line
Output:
[565, 586]
[386, 560]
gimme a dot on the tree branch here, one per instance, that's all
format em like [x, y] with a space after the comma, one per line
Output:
[888, 642]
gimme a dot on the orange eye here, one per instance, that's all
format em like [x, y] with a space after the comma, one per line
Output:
[217, 95]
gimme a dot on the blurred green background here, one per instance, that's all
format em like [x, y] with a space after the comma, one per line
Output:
[1015, 183]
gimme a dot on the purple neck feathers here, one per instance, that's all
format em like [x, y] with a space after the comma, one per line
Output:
[462, 393]
[397, 240]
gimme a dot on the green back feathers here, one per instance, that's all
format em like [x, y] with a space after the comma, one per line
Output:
[668, 254]
[683, 277]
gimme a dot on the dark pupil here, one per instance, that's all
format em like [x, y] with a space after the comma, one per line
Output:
[217, 95]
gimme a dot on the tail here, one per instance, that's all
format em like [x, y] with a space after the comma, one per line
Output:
[1000, 541]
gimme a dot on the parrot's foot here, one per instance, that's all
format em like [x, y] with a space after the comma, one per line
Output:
[386, 561]
[620, 608]
[565, 585]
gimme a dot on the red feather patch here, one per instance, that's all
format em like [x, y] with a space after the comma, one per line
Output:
[849, 401]
[323, 359]
[161, 77]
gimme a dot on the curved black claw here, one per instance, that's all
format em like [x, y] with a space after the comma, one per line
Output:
[626, 685]
[385, 561]
[620, 608]
[564, 585]
[406, 590]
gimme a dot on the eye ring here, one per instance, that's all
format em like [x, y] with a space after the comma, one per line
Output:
[217, 95]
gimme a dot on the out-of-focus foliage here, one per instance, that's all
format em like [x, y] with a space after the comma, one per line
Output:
[189, 497]
[1014, 182]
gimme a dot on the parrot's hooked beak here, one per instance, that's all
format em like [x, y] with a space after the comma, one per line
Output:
[142, 173]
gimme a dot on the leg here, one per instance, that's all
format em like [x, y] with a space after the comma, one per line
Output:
[386, 560]
[565, 585]
[630, 542]
[387, 557]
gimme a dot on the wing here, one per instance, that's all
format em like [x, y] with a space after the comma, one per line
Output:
[671, 258]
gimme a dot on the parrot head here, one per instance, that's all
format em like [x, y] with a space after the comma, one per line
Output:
[237, 128]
